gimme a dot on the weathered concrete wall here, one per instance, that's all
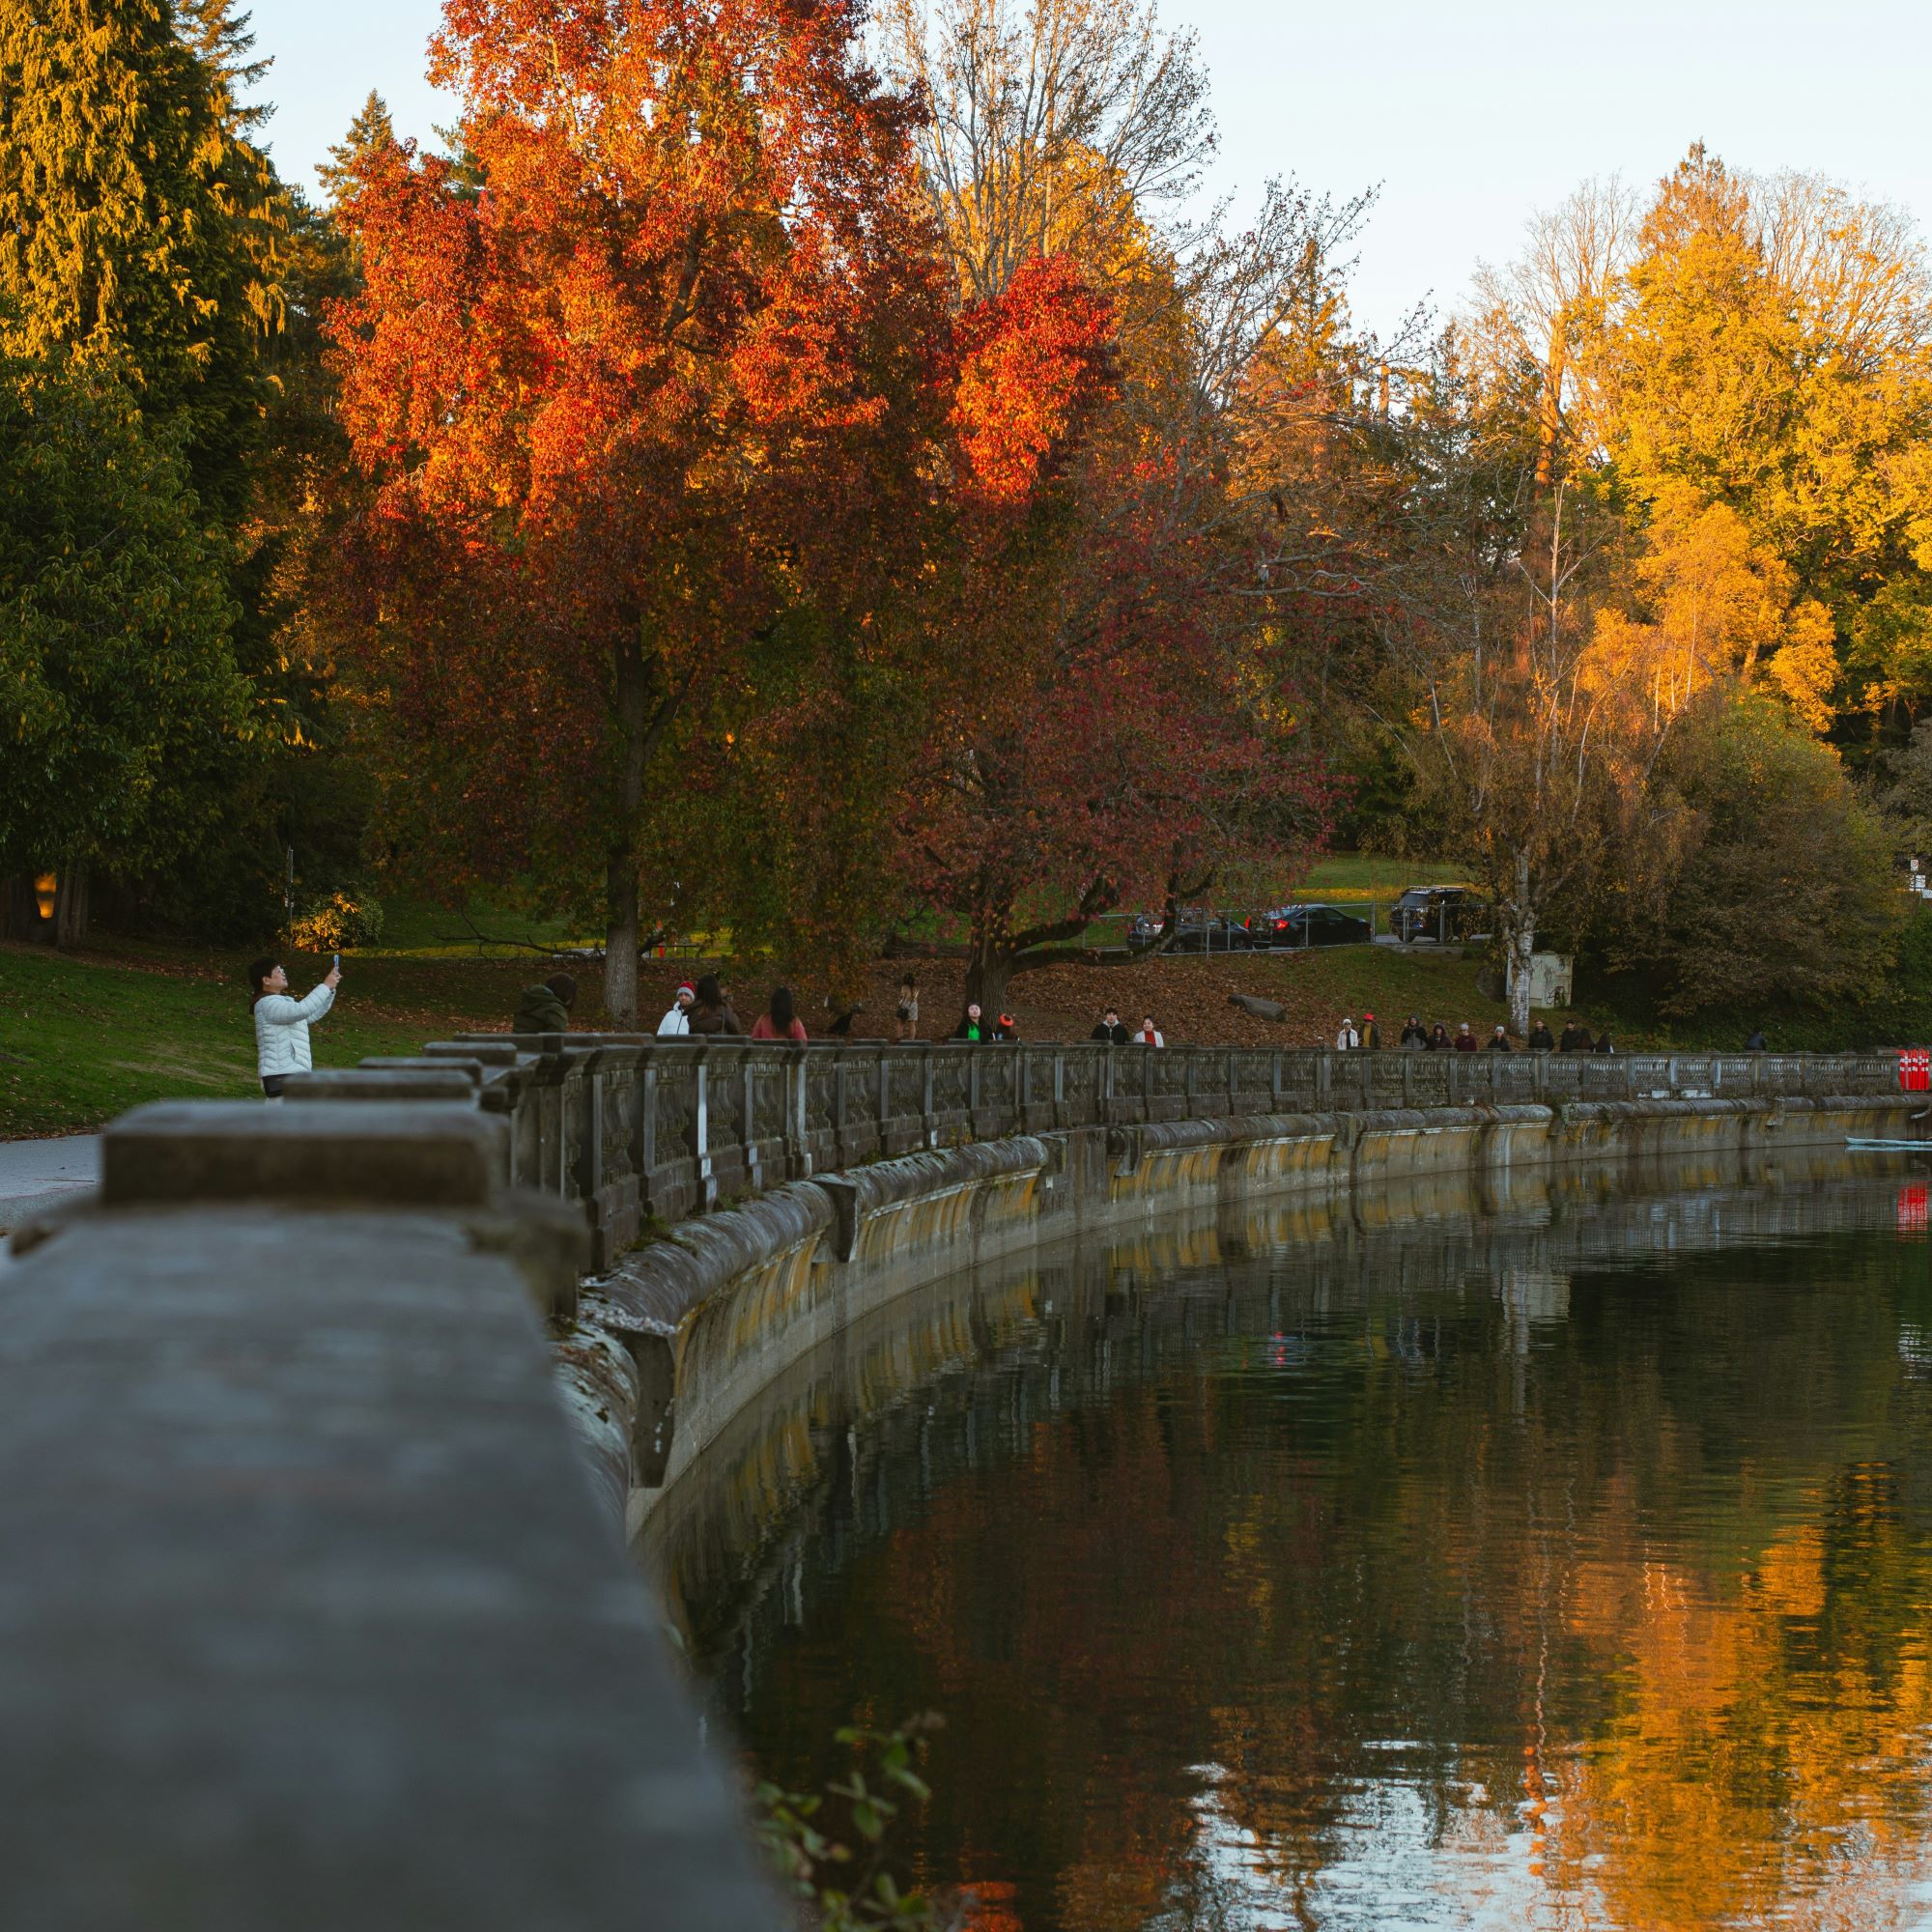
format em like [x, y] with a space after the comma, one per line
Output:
[306, 1597]
[713, 1315]
[308, 1620]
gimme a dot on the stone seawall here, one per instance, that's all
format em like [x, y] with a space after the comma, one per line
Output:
[686, 1333]
[1066, 1323]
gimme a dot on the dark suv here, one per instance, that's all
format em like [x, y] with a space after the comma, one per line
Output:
[1439, 912]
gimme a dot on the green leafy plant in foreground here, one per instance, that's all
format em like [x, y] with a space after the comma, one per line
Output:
[846, 1887]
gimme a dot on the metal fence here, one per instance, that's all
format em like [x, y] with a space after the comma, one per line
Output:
[642, 1128]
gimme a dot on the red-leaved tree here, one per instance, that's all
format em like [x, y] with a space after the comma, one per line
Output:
[1118, 741]
[664, 358]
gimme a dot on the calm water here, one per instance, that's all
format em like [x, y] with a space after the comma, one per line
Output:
[1567, 1566]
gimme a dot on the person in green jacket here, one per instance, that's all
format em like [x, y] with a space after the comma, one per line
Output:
[546, 1009]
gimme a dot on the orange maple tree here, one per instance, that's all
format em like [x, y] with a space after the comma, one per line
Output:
[662, 353]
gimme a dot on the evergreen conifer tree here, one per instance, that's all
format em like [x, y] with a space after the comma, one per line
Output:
[125, 709]
[136, 224]
[225, 41]
[369, 133]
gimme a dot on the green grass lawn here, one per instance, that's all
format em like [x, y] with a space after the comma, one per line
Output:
[480, 930]
[1363, 876]
[1394, 982]
[82, 1040]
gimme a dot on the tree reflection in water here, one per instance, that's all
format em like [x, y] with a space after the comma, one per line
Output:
[1567, 1565]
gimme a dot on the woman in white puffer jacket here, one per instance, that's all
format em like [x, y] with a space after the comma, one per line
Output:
[281, 1024]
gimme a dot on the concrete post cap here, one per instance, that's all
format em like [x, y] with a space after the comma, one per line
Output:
[498, 1052]
[471, 1066]
[383, 1083]
[390, 1153]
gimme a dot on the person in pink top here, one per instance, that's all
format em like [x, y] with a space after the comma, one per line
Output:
[781, 1021]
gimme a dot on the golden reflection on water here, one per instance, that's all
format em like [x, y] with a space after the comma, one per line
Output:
[1524, 1564]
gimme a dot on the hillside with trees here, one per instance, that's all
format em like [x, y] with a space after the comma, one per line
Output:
[827, 480]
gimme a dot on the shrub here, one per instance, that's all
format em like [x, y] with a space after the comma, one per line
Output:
[337, 922]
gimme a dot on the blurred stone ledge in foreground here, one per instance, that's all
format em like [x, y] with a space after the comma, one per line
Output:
[310, 1617]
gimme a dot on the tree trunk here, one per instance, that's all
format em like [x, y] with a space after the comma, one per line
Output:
[1521, 935]
[990, 971]
[21, 909]
[1549, 426]
[71, 897]
[620, 941]
[633, 704]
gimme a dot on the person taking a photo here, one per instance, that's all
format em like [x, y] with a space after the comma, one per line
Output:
[282, 1023]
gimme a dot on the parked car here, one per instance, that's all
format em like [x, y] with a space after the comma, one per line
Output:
[1144, 930]
[1308, 925]
[1439, 912]
[1208, 932]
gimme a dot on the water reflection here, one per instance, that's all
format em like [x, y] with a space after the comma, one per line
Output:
[1424, 1563]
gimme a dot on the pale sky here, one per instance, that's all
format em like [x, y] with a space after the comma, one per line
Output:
[1470, 117]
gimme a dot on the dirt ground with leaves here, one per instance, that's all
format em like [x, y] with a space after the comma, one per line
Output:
[1189, 997]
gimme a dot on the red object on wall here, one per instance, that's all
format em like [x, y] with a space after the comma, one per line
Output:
[1914, 1069]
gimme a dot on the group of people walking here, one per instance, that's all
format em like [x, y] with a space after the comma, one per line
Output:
[1416, 1037]
[704, 1008]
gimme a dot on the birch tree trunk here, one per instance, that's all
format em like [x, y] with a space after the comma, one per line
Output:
[1522, 942]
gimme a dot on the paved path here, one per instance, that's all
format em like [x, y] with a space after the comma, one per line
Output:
[41, 1174]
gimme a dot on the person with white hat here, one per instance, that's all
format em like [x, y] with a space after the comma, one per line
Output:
[676, 1023]
[1349, 1039]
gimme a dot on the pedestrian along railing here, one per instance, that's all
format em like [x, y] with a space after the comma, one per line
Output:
[648, 1131]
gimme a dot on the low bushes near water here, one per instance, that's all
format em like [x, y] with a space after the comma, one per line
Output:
[846, 1887]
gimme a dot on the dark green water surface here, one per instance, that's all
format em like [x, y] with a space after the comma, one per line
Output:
[1563, 1564]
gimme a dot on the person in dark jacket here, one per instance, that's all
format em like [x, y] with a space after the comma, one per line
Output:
[1466, 1040]
[1439, 1039]
[1500, 1041]
[1414, 1034]
[974, 1025]
[713, 1012]
[1110, 1032]
[1755, 1043]
[546, 1009]
[1575, 1038]
[1541, 1038]
[1603, 1044]
[1372, 1034]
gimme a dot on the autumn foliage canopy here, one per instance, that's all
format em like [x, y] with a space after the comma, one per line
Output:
[662, 360]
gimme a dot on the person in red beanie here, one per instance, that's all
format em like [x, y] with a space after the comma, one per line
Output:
[676, 1023]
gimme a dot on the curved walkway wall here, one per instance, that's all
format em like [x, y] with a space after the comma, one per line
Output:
[685, 1333]
[745, 1201]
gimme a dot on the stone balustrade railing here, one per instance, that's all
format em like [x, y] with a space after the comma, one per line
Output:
[646, 1131]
